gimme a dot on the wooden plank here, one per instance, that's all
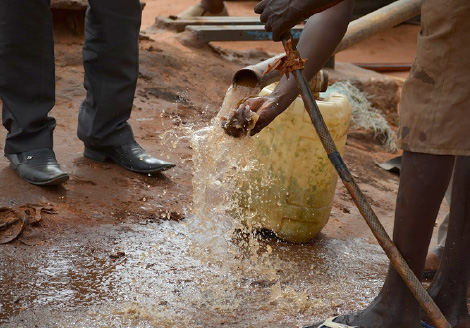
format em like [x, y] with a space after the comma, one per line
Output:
[210, 33]
[179, 24]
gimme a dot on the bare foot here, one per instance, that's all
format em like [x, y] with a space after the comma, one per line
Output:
[452, 305]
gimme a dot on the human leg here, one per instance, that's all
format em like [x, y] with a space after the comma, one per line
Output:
[449, 287]
[26, 74]
[110, 58]
[27, 89]
[423, 181]
[111, 61]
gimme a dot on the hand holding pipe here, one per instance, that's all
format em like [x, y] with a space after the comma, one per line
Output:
[358, 197]
[279, 16]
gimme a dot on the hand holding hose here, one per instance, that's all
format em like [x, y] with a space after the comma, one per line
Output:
[279, 16]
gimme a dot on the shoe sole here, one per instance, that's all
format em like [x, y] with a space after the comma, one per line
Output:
[53, 182]
[100, 157]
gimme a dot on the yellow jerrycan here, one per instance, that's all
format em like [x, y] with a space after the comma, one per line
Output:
[291, 193]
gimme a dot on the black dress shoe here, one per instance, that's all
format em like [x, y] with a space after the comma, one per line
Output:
[38, 166]
[130, 156]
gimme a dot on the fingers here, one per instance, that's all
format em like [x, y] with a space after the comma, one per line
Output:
[259, 8]
[272, 23]
[243, 120]
[279, 16]
[241, 117]
[254, 104]
[231, 130]
[277, 33]
[264, 17]
[265, 14]
[282, 27]
[238, 122]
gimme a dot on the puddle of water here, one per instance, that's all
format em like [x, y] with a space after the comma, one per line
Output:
[160, 283]
[207, 271]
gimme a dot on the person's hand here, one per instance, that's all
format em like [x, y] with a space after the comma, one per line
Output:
[252, 116]
[279, 16]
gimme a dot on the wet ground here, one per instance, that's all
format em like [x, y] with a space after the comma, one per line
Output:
[149, 275]
[115, 249]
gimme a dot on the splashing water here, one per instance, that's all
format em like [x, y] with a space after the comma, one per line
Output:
[220, 163]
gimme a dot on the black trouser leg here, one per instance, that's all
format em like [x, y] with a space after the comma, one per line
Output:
[26, 73]
[110, 56]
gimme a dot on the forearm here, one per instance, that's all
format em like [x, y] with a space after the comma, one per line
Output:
[320, 37]
[321, 5]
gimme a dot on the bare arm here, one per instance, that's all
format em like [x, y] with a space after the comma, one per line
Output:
[321, 35]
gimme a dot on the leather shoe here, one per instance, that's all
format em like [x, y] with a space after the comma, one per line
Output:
[130, 156]
[38, 166]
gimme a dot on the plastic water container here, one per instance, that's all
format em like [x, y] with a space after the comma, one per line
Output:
[292, 192]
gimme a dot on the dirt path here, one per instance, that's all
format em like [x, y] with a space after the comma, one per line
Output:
[110, 249]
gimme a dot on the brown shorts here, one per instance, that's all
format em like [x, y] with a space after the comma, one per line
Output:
[435, 104]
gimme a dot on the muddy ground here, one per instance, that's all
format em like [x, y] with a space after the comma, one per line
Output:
[111, 248]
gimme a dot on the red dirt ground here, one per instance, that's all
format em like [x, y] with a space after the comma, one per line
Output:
[181, 86]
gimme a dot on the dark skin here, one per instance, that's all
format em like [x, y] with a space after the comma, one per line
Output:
[315, 46]
[449, 287]
[279, 16]
[216, 6]
[212, 6]
[423, 182]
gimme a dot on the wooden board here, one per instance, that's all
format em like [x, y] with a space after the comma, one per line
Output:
[179, 24]
[210, 33]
